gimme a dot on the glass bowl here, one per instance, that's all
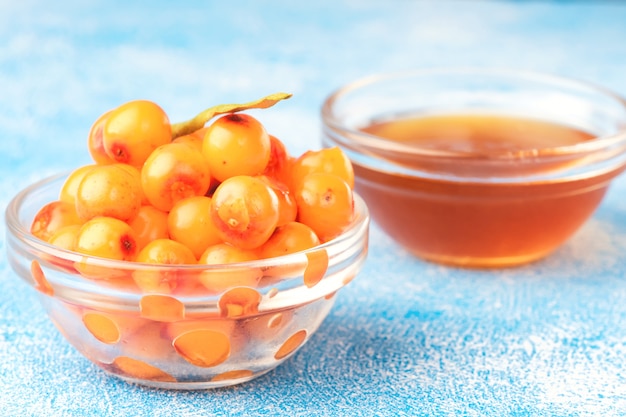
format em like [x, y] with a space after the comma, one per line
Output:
[192, 338]
[482, 204]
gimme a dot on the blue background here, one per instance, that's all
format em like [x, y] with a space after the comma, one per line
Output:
[406, 337]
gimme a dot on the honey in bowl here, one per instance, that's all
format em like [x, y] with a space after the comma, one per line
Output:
[478, 167]
[476, 222]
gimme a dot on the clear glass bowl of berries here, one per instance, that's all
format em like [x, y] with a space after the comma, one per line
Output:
[191, 255]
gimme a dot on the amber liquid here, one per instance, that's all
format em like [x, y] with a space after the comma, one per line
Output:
[478, 223]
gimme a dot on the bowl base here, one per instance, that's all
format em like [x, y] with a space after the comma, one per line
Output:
[190, 386]
[482, 263]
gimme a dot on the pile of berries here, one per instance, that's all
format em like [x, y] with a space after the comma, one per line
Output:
[223, 193]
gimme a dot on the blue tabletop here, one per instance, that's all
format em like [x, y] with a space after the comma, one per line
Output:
[405, 337]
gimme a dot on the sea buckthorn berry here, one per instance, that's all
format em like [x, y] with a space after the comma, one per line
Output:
[149, 224]
[161, 252]
[133, 130]
[107, 237]
[191, 140]
[109, 190]
[173, 172]
[289, 238]
[95, 145]
[65, 237]
[236, 144]
[220, 280]
[166, 252]
[189, 222]
[287, 208]
[53, 217]
[328, 160]
[135, 172]
[325, 203]
[245, 211]
[70, 186]
[278, 166]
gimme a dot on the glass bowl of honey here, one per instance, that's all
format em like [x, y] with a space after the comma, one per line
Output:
[478, 167]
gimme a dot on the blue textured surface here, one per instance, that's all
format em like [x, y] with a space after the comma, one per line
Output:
[405, 337]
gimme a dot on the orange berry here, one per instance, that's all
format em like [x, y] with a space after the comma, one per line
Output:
[166, 252]
[53, 217]
[278, 166]
[191, 140]
[173, 172]
[327, 160]
[107, 237]
[325, 204]
[95, 144]
[222, 254]
[149, 224]
[245, 211]
[289, 238]
[136, 173]
[65, 237]
[70, 186]
[109, 190]
[236, 144]
[161, 252]
[287, 208]
[133, 130]
[189, 222]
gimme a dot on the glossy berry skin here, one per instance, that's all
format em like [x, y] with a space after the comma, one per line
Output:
[109, 190]
[223, 254]
[107, 237]
[189, 222]
[325, 204]
[149, 224]
[290, 238]
[133, 130]
[70, 186]
[165, 252]
[287, 208]
[279, 164]
[53, 217]
[328, 160]
[173, 172]
[191, 140]
[65, 237]
[161, 252]
[95, 144]
[245, 211]
[236, 144]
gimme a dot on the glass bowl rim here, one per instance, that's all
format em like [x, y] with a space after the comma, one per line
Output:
[373, 142]
[21, 233]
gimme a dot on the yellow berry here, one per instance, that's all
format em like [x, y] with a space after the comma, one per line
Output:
[173, 172]
[107, 237]
[245, 211]
[108, 190]
[53, 217]
[133, 130]
[325, 204]
[236, 144]
[189, 222]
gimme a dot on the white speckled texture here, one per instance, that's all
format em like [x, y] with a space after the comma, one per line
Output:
[405, 337]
